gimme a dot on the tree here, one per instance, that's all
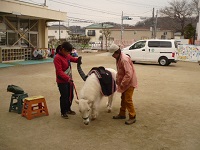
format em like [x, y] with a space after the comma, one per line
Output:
[195, 7]
[106, 33]
[189, 32]
[79, 41]
[179, 11]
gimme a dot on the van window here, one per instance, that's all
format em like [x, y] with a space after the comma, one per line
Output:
[166, 44]
[138, 45]
[154, 44]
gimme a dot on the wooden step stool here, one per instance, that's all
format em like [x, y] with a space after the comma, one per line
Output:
[34, 107]
[16, 102]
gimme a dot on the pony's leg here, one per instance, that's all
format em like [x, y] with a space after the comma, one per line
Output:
[95, 108]
[109, 103]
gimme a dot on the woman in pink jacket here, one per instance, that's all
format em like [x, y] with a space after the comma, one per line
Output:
[127, 81]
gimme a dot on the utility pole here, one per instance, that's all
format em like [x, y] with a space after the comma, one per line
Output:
[123, 18]
[59, 31]
[46, 3]
[153, 25]
[102, 37]
[121, 26]
[155, 28]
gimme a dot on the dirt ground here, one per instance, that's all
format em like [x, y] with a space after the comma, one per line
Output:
[167, 103]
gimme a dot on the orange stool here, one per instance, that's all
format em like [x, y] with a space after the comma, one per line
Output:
[34, 106]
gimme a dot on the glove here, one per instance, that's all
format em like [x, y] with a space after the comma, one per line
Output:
[79, 60]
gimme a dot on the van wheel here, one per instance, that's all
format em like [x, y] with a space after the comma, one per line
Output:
[163, 61]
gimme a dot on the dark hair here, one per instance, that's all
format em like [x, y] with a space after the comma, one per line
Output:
[67, 46]
[58, 49]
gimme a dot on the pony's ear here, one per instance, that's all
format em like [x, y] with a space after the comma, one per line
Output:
[77, 101]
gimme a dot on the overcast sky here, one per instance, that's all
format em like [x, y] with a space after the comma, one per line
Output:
[97, 11]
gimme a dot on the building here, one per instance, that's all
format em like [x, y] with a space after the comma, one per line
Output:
[125, 37]
[23, 26]
[58, 32]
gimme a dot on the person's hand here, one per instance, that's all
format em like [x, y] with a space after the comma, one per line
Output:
[79, 60]
[70, 80]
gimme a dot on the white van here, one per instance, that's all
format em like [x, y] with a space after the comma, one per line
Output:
[153, 50]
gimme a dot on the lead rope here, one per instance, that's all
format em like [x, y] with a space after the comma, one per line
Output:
[75, 91]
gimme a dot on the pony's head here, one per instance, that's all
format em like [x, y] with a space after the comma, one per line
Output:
[84, 109]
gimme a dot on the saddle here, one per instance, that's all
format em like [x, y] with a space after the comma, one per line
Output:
[106, 80]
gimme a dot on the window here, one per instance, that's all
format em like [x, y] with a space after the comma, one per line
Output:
[153, 44]
[16, 31]
[55, 31]
[91, 33]
[34, 25]
[160, 44]
[12, 38]
[2, 38]
[34, 39]
[138, 45]
[165, 44]
[61, 31]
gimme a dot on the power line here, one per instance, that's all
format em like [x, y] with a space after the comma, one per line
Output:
[82, 7]
[134, 3]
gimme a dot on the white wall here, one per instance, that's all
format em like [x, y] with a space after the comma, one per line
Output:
[96, 37]
[189, 53]
[63, 34]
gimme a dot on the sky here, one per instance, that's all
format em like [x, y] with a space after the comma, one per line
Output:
[86, 12]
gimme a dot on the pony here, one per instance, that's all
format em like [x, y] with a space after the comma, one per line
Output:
[91, 96]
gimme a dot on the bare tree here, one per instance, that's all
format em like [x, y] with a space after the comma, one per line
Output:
[106, 33]
[179, 11]
[195, 7]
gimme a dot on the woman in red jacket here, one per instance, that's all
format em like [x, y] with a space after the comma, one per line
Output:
[62, 63]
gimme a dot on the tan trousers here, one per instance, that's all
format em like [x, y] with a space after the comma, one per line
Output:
[127, 103]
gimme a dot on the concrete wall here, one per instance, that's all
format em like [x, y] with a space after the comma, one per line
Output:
[139, 34]
[130, 35]
[25, 9]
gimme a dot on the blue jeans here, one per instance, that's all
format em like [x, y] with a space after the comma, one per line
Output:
[66, 96]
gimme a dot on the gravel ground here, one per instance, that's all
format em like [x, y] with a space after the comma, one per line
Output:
[167, 105]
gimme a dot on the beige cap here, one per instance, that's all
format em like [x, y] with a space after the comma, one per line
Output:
[113, 48]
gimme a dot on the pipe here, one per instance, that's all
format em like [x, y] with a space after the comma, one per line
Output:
[81, 73]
